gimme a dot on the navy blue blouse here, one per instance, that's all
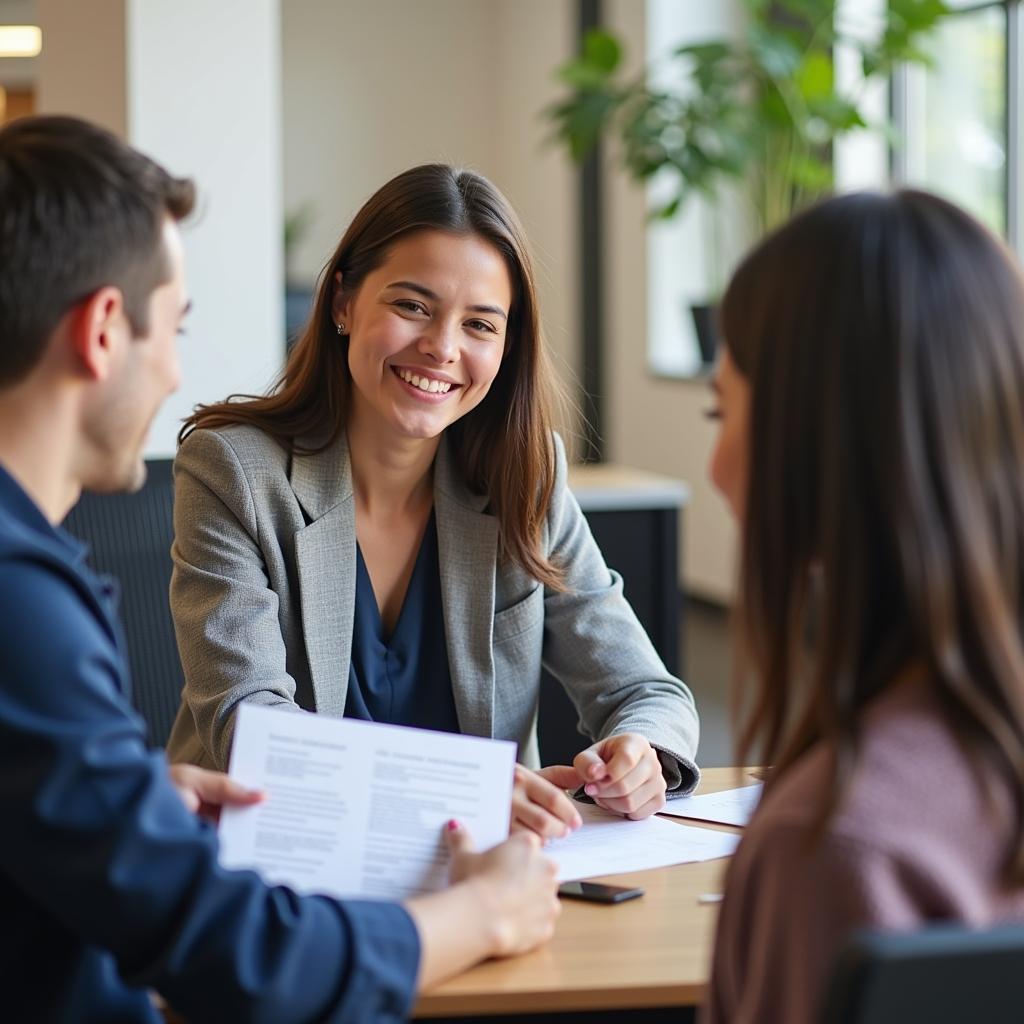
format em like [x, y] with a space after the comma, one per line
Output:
[403, 679]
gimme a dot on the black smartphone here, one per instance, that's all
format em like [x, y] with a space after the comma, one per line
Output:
[598, 893]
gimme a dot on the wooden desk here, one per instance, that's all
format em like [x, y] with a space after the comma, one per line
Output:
[650, 952]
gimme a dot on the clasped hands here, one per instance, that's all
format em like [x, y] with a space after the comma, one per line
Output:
[620, 773]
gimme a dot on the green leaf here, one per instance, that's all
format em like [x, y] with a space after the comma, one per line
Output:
[579, 75]
[811, 174]
[775, 53]
[706, 52]
[816, 76]
[581, 120]
[812, 11]
[772, 111]
[918, 15]
[839, 114]
[601, 50]
[669, 210]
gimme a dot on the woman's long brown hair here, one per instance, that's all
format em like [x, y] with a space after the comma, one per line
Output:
[883, 338]
[503, 447]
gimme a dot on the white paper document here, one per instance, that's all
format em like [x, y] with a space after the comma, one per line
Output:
[355, 808]
[730, 807]
[607, 844]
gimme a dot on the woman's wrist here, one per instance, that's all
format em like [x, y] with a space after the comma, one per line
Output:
[493, 919]
[458, 927]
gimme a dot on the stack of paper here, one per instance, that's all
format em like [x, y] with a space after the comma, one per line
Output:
[607, 844]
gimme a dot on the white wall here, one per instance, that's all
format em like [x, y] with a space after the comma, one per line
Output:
[205, 102]
[372, 87]
[196, 86]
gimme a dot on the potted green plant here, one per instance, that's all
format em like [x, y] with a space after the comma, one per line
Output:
[763, 108]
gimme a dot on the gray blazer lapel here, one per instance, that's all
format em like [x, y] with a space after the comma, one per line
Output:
[467, 542]
[325, 559]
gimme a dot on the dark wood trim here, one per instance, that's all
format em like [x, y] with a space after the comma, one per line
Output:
[591, 243]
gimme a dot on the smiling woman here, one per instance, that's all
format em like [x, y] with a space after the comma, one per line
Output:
[427, 335]
[388, 534]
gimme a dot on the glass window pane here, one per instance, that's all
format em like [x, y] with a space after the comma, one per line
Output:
[962, 107]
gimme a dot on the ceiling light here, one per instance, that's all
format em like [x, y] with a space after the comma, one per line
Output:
[20, 40]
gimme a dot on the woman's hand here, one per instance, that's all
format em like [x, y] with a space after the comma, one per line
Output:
[205, 792]
[501, 902]
[539, 803]
[623, 774]
[515, 883]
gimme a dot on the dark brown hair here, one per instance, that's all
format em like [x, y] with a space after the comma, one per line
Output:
[79, 209]
[883, 338]
[503, 448]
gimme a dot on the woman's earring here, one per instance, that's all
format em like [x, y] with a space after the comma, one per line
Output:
[341, 329]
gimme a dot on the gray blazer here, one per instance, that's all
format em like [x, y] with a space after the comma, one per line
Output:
[263, 595]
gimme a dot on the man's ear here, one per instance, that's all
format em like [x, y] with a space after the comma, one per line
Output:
[339, 301]
[97, 326]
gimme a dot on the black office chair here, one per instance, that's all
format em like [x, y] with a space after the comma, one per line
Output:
[129, 536]
[939, 975]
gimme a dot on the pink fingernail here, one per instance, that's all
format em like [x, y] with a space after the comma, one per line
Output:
[452, 825]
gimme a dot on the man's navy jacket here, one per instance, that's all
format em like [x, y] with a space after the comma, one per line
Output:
[108, 885]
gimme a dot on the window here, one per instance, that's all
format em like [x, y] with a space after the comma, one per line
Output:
[687, 256]
[960, 119]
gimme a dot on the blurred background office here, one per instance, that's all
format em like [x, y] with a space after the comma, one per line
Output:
[291, 112]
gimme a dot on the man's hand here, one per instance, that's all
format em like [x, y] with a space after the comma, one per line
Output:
[205, 792]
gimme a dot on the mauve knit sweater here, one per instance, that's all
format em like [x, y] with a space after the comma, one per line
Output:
[914, 841]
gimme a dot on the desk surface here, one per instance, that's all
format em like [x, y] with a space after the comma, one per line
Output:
[654, 951]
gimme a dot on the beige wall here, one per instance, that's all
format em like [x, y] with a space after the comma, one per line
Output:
[88, 84]
[652, 423]
[372, 87]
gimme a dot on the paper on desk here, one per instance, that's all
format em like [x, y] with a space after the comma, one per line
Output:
[356, 809]
[607, 844]
[730, 807]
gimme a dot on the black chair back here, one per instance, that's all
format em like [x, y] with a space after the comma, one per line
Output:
[129, 536]
[939, 975]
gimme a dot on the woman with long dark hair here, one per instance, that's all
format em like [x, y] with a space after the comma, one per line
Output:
[871, 397]
[389, 535]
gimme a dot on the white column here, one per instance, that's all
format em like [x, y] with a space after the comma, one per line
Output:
[196, 85]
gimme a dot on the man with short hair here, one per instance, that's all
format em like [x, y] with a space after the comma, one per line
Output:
[109, 884]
